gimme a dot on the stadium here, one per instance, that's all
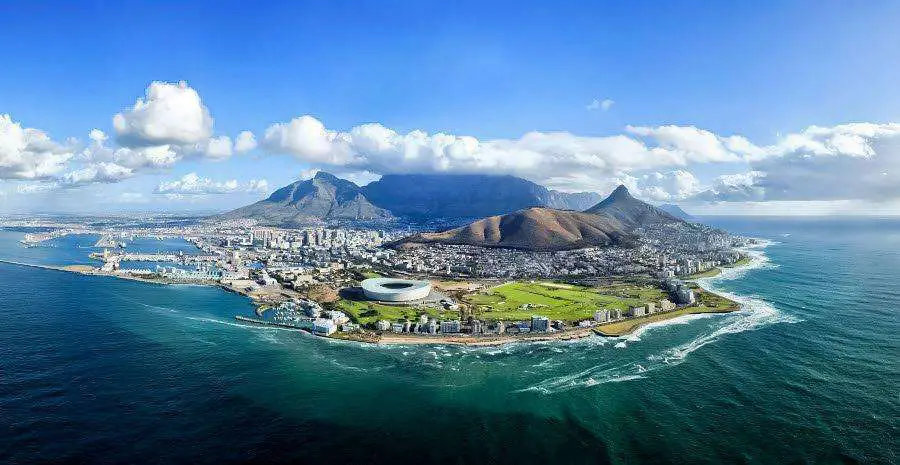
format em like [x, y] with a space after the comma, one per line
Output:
[395, 290]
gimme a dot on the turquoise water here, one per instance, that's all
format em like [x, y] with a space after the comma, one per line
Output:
[103, 370]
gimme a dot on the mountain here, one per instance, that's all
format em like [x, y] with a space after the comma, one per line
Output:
[675, 211]
[325, 197]
[535, 229]
[631, 212]
[466, 196]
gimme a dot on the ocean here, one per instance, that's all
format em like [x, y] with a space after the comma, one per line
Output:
[101, 370]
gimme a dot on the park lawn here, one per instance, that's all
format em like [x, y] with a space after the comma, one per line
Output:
[568, 303]
[364, 313]
[623, 327]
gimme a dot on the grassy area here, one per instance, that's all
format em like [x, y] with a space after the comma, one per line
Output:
[707, 302]
[743, 261]
[368, 274]
[365, 312]
[626, 326]
[521, 300]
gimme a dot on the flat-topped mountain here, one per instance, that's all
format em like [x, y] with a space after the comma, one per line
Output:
[327, 198]
[631, 212]
[535, 229]
[467, 195]
[322, 198]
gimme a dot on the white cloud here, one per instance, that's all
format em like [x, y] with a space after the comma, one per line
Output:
[244, 142]
[218, 148]
[36, 187]
[28, 153]
[168, 114]
[858, 161]
[672, 186]
[153, 157]
[602, 105]
[696, 145]
[101, 172]
[561, 160]
[260, 186]
[740, 187]
[192, 184]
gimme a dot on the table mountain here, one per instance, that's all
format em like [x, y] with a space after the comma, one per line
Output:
[467, 196]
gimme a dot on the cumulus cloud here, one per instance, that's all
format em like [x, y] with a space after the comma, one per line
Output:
[168, 114]
[602, 105]
[739, 187]
[859, 161]
[560, 159]
[101, 172]
[244, 142]
[36, 188]
[810, 164]
[672, 186]
[192, 184]
[218, 148]
[28, 153]
[259, 186]
[135, 158]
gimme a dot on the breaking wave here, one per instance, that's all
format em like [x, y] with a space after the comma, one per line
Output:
[755, 313]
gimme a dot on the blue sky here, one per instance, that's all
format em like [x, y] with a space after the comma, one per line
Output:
[489, 70]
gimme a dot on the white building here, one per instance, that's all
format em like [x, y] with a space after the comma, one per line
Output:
[324, 327]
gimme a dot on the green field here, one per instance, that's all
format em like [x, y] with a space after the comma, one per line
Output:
[558, 301]
[707, 302]
[365, 312]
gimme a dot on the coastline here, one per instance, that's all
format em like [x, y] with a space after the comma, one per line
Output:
[609, 330]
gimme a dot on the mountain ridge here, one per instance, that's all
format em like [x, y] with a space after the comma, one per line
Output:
[611, 221]
[328, 198]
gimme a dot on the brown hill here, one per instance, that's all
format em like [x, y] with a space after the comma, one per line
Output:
[535, 229]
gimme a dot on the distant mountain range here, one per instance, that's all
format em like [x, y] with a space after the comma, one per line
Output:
[327, 198]
[612, 221]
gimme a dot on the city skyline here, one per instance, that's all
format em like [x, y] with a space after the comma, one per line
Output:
[219, 114]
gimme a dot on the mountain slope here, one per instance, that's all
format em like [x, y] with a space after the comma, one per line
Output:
[322, 198]
[535, 229]
[466, 196]
[631, 212]
[675, 211]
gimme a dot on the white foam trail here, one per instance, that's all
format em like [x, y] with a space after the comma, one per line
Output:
[755, 313]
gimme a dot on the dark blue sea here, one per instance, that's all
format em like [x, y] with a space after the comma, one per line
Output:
[100, 370]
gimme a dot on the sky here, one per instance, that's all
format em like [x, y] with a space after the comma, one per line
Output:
[762, 107]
